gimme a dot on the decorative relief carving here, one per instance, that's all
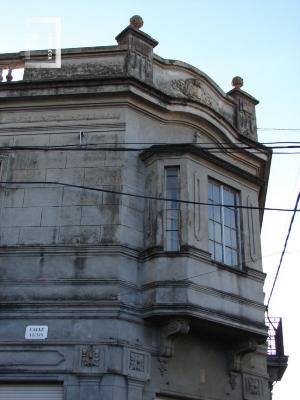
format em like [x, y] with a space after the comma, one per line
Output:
[136, 364]
[194, 89]
[90, 357]
[66, 115]
[162, 365]
[138, 61]
[238, 352]
[136, 361]
[73, 71]
[232, 380]
[246, 121]
[169, 332]
[253, 387]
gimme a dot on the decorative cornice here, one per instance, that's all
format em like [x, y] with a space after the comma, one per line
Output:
[78, 250]
[200, 288]
[185, 251]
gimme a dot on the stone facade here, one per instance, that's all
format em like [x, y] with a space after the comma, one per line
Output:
[126, 317]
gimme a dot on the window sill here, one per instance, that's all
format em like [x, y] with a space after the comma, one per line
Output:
[229, 268]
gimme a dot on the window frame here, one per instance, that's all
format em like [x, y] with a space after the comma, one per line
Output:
[171, 235]
[227, 246]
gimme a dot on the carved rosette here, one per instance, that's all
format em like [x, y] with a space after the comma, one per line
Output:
[90, 356]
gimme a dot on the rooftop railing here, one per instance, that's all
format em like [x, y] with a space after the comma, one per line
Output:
[275, 336]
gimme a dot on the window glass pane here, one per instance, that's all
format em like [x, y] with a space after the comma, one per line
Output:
[210, 212]
[217, 213]
[227, 234]
[233, 238]
[218, 233]
[172, 241]
[172, 219]
[234, 258]
[210, 191]
[168, 241]
[228, 255]
[218, 252]
[172, 193]
[172, 204]
[212, 248]
[172, 171]
[229, 219]
[211, 230]
[172, 182]
[216, 193]
[228, 197]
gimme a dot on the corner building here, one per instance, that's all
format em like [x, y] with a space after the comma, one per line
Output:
[117, 293]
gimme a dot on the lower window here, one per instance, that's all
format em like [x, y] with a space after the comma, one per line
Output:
[224, 226]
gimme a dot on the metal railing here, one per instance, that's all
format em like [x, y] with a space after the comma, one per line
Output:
[275, 337]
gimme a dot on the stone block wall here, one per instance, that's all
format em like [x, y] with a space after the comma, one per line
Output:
[50, 214]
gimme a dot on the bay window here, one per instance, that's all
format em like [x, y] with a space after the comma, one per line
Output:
[224, 225]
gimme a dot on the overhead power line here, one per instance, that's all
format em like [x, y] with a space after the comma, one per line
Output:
[278, 129]
[97, 147]
[284, 248]
[213, 150]
[143, 196]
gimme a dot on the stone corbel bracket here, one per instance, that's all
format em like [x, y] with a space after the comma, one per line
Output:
[236, 354]
[169, 332]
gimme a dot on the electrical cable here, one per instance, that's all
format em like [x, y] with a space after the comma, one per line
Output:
[284, 249]
[144, 196]
[278, 129]
[101, 148]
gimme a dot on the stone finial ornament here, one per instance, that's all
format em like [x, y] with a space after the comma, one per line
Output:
[237, 82]
[136, 21]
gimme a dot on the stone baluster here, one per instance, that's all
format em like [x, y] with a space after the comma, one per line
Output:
[9, 76]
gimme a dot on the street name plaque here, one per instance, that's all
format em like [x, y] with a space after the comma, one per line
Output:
[36, 332]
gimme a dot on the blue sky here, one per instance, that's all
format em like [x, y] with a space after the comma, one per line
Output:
[258, 40]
